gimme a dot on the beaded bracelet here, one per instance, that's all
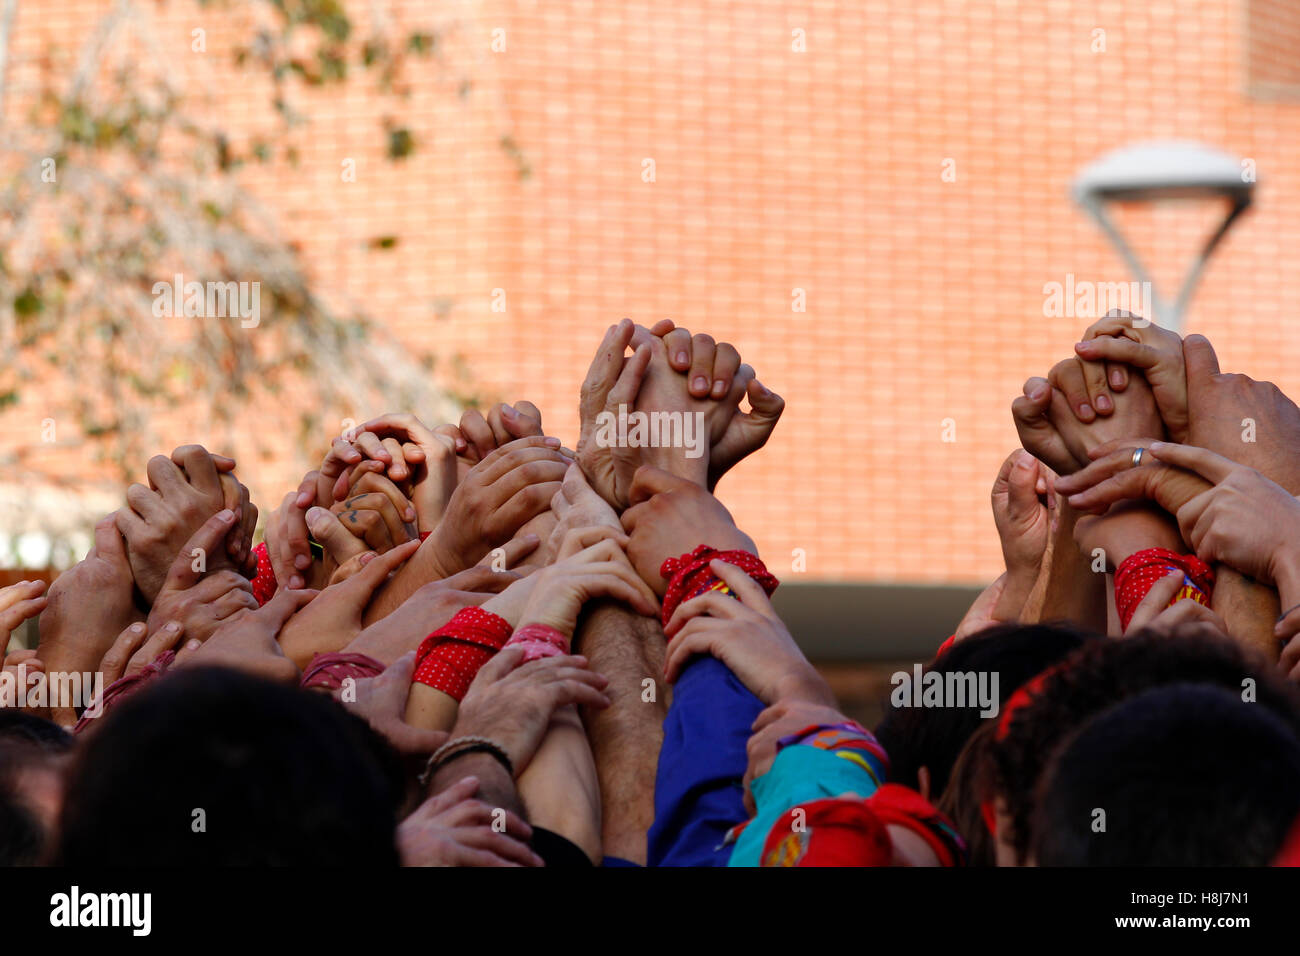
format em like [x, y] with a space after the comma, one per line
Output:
[459, 748]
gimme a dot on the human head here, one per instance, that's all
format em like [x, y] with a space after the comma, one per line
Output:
[214, 767]
[1181, 775]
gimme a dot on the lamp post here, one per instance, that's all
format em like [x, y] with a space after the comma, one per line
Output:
[1153, 172]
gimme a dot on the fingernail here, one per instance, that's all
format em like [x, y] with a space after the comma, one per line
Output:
[1039, 393]
[302, 562]
[550, 442]
[701, 383]
[1156, 446]
[295, 583]
[682, 358]
[193, 645]
[508, 412]
[137, 628]
[367, 558]
[1086, 409]
[410, 513]
[719, 388]
[1116, 378]
[172, 627]
[225, 516]
[1103, 403]
[1083, 346]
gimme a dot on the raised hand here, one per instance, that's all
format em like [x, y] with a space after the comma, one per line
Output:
[512, 705]
[612, 382]
[503, 424]
[504, 491]
[334, 618]
[159, 519]
[1051, 430]
[591, 564]
[248, 641]
[1245, 520]
[1247, 421]
[671, 516]
[1111, 477]
[90, 604]
[1024, 523]
[716, 371]
[747, 636]
[195, 597]
[137, 647]
[1122, 340]
[19, 602]
[430, 455]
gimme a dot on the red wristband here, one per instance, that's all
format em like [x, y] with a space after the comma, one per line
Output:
[264, 584]
[538, 641]
[328, 671]
[1139, 572]
[689, 576]
[449, 658]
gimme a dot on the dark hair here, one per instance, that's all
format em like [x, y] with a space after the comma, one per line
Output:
[969, 785]
[932, 737]
[1102, 673]
[45, 734]
[277, 775]
[1185, 775]
[26, 741]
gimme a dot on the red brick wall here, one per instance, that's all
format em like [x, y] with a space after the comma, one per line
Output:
[775, 170]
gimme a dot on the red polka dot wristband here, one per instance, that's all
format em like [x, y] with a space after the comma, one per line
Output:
[1139, 572]
[689, 576]
[449, 658]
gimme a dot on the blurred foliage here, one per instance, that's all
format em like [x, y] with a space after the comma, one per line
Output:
[118, 183]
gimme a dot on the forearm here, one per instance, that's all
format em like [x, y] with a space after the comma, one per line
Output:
[1249, 608]
[1016, 591]
[422, 568]
[430, 709]
[496, 787]
[625, 737]
[559, 788]
[1072, 590]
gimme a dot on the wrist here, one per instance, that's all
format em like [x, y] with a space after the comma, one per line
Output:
[1286, 576]
[678, 464]
[484, 766]
[1127, 529]
[806, 686]
[552, 619]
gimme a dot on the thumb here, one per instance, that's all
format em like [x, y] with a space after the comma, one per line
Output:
[109, 543]
[1022, 487]
[1199, 357]
[765, 408]
[182, 575]
[650, 481]
[361, 587]
[328, 531]
[575, 484]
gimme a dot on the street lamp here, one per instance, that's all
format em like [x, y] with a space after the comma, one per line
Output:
[1151, 172]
